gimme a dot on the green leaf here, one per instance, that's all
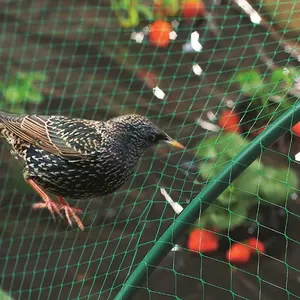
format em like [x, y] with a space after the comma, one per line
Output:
[34, 96]
[125, 4]
[4, 295]
[239, 211]
[36, 76]
[13, 94]
[285, 77]
[278, 184]
[248, 183]
[203, 221]
[229, 218]
[146, 11]
[228, 197]
[208, 170]
[207, 148]
[256, 166]
[222, 217]
[219, 150]
[230, 144]
[21, 76]
[131, 21]
[250, 82]
[280, 76]
[172, 6]
[224, 144]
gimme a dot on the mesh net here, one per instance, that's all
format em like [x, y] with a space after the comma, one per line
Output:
[213, 76]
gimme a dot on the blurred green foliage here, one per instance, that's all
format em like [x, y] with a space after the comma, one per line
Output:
[4, 296]
[269, 95]
[266, 184]
[20, 89]
[129, 12]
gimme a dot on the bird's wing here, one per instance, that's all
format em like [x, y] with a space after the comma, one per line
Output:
[73, 139]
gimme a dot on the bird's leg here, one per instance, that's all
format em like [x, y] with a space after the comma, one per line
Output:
[48, 202]
[70, 211]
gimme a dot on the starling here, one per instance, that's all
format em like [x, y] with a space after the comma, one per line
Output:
[77, 158]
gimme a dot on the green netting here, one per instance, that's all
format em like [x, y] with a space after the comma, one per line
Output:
[237, 179]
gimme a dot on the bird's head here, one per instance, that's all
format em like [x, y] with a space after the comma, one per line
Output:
[141, 132]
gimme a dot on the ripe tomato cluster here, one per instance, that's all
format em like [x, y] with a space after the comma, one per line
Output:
[159, 31]
[240, 253]
[204, 241]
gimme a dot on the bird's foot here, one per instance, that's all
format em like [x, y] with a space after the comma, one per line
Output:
[51, 205]
[56, 207]
[71, 212]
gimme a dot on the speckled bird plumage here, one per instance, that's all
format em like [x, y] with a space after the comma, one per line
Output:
[78, 158]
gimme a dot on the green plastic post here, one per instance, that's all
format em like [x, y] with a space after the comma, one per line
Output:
[212, 191]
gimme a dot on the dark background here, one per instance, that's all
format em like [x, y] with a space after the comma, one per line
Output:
[90, 64]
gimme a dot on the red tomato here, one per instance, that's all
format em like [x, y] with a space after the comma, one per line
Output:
[238, 253]
[296, 129]
[159, 33]
[202, 241]
[192, 8]
[229, 120]
[255, 245]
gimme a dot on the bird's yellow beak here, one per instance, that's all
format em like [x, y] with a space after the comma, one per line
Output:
[175, 144]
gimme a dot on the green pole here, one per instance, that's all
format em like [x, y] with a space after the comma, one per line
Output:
[212, 191]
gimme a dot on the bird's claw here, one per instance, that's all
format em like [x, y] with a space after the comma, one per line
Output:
[71, 212]
[51, 205]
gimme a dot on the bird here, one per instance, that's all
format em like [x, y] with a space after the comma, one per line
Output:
[78, 158]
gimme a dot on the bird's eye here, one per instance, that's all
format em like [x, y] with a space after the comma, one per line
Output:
[152, 138]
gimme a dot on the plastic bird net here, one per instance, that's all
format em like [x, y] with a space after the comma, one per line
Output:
[222, 78]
